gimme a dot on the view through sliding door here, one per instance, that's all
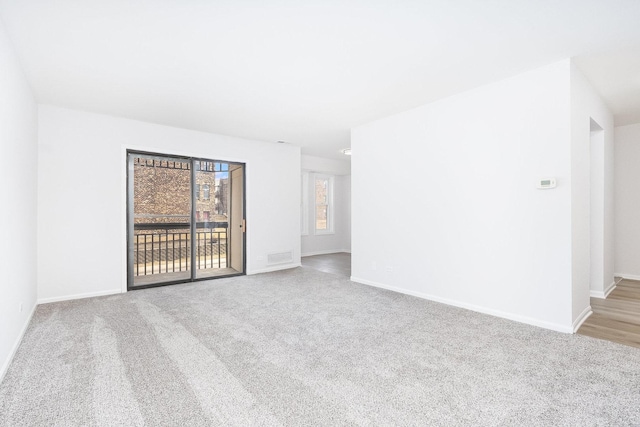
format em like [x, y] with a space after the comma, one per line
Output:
[179, 214]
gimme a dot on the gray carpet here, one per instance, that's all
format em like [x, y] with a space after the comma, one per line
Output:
[302, 347]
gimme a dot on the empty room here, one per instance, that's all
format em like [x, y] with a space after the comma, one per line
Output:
[290, 213]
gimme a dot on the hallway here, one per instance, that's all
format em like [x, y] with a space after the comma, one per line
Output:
[338, 263]
[616, 318]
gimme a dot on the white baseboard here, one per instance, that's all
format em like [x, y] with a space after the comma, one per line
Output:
[327, 252]
[627, 276]
[581, 318]
[16, 344]
[79, 296]
[610, 288]
[273, 268]
[505, 315]
[604, 294]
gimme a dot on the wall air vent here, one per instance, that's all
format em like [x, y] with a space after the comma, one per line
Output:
[280, 258]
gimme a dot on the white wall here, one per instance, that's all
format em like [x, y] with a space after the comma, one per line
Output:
[324, 165]
[81, 220]
[445, 205]
[592, 199]
[627, 201]
[18, 154]
[340, 240]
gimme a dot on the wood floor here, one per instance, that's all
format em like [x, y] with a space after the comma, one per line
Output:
[616, 318]
[339, 263]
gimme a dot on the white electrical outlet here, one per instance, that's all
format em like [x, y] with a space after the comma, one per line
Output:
[389, 268]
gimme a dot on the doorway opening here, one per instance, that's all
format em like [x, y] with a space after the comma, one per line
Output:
[597, 280]
[185, 219]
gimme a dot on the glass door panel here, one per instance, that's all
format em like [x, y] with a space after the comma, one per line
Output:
[159, 219]
[212, 219]
[237, 226]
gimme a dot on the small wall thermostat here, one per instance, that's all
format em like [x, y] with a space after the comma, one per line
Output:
[546, 183]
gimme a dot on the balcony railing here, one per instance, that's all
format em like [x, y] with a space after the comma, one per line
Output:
[166, 248]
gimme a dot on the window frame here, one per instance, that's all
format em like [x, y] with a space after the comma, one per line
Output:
[304, 204]
[330, 229]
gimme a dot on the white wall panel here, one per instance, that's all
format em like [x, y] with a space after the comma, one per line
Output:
[18, 190]
[627, 201]
[445, 204]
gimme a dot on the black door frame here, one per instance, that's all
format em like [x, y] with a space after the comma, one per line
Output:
[192, 252]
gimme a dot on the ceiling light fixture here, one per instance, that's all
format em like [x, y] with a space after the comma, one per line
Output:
[346, 151]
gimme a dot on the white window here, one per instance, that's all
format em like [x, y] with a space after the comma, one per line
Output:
[323, 196]
[304, 204]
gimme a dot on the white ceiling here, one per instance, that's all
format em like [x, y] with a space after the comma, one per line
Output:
[307, 71]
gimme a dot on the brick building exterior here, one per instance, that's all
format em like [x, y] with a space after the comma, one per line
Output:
[162, 192]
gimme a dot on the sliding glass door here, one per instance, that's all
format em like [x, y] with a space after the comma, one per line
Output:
[180, 211]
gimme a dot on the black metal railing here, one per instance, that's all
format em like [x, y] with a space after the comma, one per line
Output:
[166, 248]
